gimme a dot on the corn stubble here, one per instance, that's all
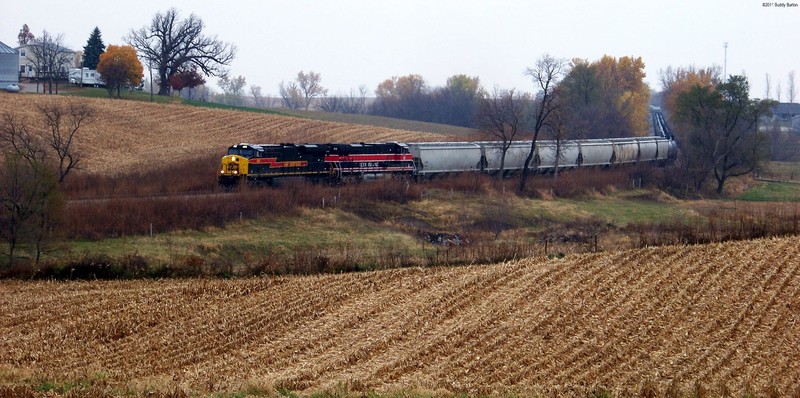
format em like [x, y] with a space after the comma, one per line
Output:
[124, 136]
[719, 318]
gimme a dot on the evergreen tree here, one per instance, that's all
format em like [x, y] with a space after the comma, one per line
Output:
[94, 47]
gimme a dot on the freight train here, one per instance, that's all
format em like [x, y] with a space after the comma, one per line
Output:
[337, 163]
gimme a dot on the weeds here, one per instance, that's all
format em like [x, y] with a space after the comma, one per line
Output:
[720, 225]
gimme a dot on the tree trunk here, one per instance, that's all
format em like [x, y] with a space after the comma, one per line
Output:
[502, 166]
[558, 157]
[163, 89]
[720, 184]
[12, 243]
[163, 83]
[526, 166]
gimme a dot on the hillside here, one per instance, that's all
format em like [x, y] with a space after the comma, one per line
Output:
[696, 320]
[127, 134]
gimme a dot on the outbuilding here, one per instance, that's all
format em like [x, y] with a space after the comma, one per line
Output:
[9, 65]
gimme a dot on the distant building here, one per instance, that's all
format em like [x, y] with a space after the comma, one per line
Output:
[27, 61]
[9, 65]
[785, 117]
[784, 112]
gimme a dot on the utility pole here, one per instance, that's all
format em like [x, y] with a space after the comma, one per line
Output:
[725, 68]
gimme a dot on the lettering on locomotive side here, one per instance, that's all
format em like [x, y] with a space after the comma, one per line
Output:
[368, 164]
[295, 163]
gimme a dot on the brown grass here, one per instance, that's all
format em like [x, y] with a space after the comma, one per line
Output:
[675, 320]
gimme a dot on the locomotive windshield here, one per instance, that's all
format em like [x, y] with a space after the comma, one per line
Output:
[245, 152]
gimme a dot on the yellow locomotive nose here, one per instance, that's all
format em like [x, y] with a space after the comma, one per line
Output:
[233, 167]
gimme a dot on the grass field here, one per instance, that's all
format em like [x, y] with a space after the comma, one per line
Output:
[367, 234]
[785, 171]
[773, 191]
[712, 320]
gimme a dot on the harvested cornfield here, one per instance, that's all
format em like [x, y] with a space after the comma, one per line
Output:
[125, 134]
[686, 320]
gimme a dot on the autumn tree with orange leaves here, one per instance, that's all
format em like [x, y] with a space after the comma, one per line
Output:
[119, 66]
[675, 81]
[606, 98]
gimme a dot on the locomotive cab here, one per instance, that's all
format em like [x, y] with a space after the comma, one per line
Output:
[235, 164]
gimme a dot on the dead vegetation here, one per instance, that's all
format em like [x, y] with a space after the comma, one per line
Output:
[673, 320]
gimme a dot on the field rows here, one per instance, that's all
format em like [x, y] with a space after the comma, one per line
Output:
[123, 130]
[722, 316]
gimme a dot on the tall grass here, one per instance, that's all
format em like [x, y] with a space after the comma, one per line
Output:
[720, 225]
[156, 178]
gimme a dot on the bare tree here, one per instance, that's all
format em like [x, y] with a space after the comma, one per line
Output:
[63, 122]
[171, 44]
[353, 103]
[767, 87]
[331, 104]
[30, 200]
[200, 93]
[16, 138]
[310, 85]
[545, 76]
[258, 100]
[790, 87]
[356, 102]
[291, 95]
[50, 58]
[557, 131]
[232, 89]
[501, 115]
[778, 91]
[28, 192]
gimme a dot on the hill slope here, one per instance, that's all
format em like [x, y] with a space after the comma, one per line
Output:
[722, 317]
[127, 134]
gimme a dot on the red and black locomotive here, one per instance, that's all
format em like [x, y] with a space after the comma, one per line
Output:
[263, 163]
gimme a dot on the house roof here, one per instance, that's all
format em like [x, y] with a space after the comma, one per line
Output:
[49, 44]
[4, 49]
[785, 108]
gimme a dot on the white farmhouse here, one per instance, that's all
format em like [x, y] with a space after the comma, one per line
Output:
[28, 62]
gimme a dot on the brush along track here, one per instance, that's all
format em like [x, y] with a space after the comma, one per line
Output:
[723, 316]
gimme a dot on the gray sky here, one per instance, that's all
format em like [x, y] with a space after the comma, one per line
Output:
[363, 42]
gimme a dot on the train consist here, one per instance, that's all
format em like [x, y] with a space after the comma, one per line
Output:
[264, 163]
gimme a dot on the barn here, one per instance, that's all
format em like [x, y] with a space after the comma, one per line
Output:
[9, 65]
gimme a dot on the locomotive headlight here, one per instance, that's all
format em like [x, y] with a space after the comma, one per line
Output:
[236, 172]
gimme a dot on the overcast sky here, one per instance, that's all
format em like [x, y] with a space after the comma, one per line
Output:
[363, 42]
